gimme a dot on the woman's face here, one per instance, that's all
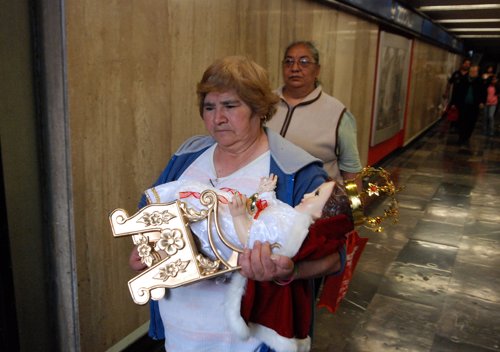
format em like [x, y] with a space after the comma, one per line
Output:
[313, 203]
[296, 75]
[229, 120]
[473, 71]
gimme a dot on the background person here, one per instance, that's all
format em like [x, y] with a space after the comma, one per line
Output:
[490, 107]
[455, 78]
[234, 101]
[470, 95]
[450, 94]
[488, 74]
[312, 119]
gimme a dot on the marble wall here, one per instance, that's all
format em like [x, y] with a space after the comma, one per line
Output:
[430, 68]
[132, 71]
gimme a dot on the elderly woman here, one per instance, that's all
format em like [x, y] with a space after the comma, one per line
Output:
[312, 119]
[234, 101]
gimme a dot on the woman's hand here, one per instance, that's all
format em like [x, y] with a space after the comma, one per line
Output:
[260, 264]
[134, 261]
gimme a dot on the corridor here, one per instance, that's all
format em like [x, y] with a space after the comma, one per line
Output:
[432, 281]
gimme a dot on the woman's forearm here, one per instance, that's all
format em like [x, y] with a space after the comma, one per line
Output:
[318, 268]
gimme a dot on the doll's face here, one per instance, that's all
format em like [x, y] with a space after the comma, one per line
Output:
[313, 203]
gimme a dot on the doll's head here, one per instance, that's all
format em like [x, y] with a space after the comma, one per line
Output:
[332, 199]
[337, 203]
[328, 200]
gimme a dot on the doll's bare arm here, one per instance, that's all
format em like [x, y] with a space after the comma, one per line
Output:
[267, 184]
[241, 218]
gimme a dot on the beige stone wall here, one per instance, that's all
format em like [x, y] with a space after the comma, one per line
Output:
[132, 72]
[430, 69]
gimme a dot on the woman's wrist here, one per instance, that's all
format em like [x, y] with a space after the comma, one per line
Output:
[342, 261]
[293, 276]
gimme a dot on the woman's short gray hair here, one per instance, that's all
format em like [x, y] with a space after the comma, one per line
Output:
[310, 45]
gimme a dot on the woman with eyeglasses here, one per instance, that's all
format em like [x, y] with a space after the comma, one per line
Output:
[312, 119]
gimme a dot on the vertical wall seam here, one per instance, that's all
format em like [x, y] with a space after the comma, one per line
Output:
[69, 180]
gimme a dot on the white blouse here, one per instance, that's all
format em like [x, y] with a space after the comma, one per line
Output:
[194, 315]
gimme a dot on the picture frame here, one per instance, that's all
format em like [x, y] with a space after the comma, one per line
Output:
[393, 67]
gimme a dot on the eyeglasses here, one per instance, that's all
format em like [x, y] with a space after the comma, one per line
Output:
[302, 62]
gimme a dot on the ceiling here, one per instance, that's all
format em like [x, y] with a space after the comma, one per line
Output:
[477, 24]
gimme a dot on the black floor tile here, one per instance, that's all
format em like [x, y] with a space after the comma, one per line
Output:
[428, 254]
[438, 232]
[470, 321]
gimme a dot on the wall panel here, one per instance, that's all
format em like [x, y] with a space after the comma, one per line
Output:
[118, 78]
[430, 68]
[362, 83]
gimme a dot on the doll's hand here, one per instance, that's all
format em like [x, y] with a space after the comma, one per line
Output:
[267, 184]
[237, 206]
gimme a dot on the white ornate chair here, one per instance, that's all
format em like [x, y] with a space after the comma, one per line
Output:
[166, 245]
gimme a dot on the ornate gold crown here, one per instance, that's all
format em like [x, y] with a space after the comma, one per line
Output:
[356, 198]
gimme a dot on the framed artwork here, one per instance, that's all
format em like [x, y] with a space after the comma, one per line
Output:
[391, 86]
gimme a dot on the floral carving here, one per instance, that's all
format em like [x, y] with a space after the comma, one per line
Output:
[156, 218]
[206, 265]
[170, 241]
[144, 250]
[145, 254]
[171, 270]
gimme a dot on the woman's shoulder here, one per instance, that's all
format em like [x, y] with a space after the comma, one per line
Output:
[288, 156]
[195, 144]
[331, 100]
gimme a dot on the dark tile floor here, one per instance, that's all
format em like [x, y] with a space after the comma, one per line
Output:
[432, 281]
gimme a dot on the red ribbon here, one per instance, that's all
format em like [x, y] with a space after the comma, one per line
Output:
[182, 195]
[261, 205]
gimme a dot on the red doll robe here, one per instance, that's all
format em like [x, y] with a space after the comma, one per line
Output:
[281, 316]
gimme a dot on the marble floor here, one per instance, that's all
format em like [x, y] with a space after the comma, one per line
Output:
[431, 282]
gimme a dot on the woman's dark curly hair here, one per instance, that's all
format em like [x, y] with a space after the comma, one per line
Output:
[338, 203]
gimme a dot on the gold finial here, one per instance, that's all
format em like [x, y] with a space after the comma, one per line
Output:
[374, 189]
[252, 203]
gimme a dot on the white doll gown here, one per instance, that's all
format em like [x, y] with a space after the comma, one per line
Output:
[277, 223]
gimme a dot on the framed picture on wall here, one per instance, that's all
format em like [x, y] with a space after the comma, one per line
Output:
[391, 86]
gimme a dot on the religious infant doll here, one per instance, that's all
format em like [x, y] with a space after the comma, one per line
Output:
[316, 227]
[244, 220]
